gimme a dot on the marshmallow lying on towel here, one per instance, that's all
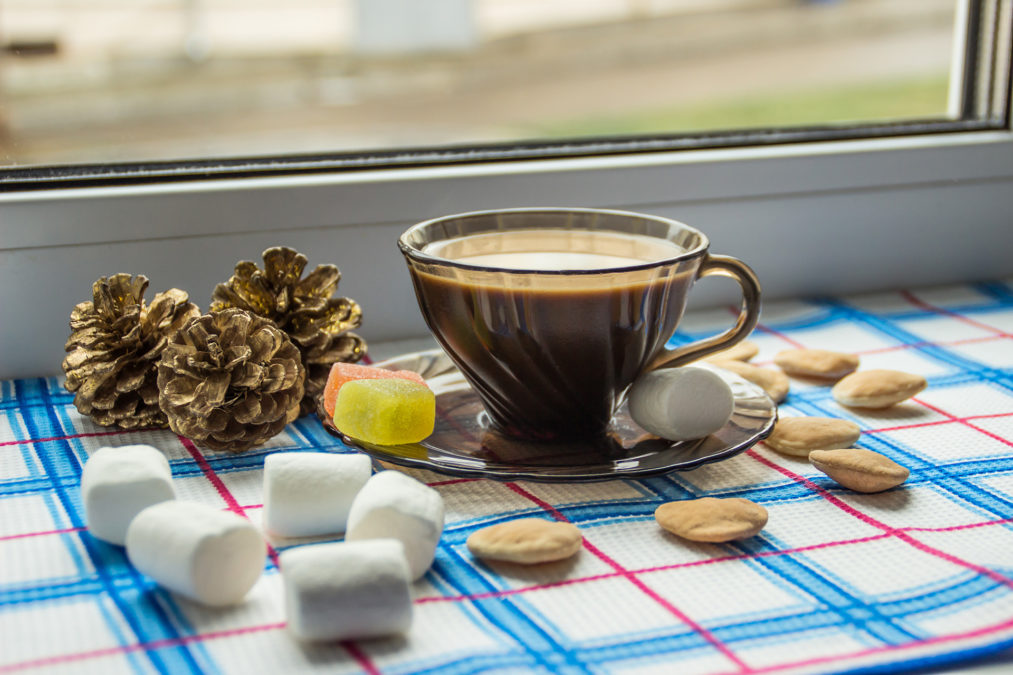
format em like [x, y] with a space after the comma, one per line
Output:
[310, 493]
[392, 504]
[206, 554]
[118, 483]
[347, 590]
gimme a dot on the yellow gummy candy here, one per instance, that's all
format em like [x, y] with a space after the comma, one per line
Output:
[385, 412]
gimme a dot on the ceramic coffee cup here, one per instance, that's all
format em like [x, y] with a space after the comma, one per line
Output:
[551, 313]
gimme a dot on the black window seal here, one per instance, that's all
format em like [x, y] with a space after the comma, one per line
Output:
[92, 175]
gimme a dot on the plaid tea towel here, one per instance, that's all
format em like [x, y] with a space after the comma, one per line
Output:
[837, 581]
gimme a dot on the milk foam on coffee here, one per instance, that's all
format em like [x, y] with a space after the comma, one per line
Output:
[555, 249]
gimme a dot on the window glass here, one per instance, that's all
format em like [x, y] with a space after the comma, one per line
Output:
[95, 81]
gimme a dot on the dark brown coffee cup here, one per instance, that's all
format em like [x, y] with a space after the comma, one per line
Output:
[551, 314]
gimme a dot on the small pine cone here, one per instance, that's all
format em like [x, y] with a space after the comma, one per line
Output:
[230, 380]
[317, 323]
[115, 343]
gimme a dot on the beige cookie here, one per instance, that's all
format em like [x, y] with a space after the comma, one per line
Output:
[798, 436]
[859, 469]
[742, 351]
[712, 520]
[819, 363]
[774, 382]
[528, 541]
[877, 388]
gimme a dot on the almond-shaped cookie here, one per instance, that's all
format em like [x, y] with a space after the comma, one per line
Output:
[527, 541]
[859, 469]
[798, 436]
[742, 351]
[773, 381]
[878, 388]
[710, 519]
[818, 363]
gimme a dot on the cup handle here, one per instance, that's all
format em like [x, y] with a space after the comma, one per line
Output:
[722, 266]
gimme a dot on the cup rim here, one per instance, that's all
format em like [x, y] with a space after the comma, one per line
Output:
[416, 254]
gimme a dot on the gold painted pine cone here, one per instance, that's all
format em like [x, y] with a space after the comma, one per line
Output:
[114, 346]
[230, 380]
[320, 325]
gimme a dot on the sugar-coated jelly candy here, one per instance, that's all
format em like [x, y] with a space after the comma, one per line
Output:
[346, 372]
[385, 412]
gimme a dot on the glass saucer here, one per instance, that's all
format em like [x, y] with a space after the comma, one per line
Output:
[464, 443]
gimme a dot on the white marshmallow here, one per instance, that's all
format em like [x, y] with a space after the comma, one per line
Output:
[392, 504]
[310, 493]
[118, 483]
[208, 555]
[347, 590]
[681, 404]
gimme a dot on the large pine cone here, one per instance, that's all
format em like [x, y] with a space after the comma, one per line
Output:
[317, 323]
[230, 380]
[115, 343]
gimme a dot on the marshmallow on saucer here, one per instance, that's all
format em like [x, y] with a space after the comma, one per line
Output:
[206, 554]
[118, 483]
[392, 504]
[310, 493]
[680, 404]
[347, 590]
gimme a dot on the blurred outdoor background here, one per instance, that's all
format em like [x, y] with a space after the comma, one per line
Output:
[92, 81]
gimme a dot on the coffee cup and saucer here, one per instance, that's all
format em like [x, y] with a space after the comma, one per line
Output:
[545, 317]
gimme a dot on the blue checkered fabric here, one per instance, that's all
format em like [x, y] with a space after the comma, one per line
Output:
[837, 581]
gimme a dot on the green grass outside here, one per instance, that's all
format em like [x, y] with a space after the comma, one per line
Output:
[877, 102]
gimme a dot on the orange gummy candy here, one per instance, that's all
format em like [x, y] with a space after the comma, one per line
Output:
[346, 372]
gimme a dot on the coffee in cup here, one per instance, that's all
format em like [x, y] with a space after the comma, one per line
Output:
[551, 314]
